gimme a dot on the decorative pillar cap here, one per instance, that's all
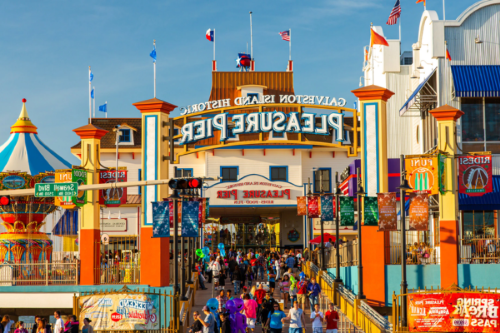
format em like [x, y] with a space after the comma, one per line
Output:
[446, 112]
[372, 92]
[154, 105]
[90, 131]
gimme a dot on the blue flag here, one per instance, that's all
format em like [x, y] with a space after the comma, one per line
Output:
[103, 108]
[92, 93]
[190, 213]
[91, 76]
[153, 53]
[161, 219]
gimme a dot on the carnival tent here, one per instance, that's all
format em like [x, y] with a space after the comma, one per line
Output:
[327, 238]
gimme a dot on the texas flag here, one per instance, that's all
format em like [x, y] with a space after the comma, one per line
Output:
[210, 35]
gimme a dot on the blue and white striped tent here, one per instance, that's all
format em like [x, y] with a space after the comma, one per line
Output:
[25, 152]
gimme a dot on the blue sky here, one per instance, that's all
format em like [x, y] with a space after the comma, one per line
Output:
[48, 45]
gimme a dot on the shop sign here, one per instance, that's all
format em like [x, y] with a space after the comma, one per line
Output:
[475, 174]
[253, 190]
[121, 312]
[422, 174]
[453, 312]
[113, 197]
[114, 224]
[240, 219]
[264, 99]
[79, 176]
[387, 212]
[161, 219]
[66, 202]
[419, 211]
[259, 122]
[293, 235]
[346, 211]
[370, 211]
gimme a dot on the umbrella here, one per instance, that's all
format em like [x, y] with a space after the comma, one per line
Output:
[327, 238]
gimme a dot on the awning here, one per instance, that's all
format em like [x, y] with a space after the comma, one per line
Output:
[476, 81]
[413, 98]
[489, 201]
[67, 224]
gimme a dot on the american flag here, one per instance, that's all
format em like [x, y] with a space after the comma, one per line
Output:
[395, 14]
[285, 35]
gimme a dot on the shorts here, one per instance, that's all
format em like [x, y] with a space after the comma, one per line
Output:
[295, 330]
[272, 284]
[334, 330]
[317, 329]
[251, 322]
[276, 330]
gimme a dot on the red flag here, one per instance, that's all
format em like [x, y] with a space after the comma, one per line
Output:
[377, 39]
[418, 1]
[448, 56]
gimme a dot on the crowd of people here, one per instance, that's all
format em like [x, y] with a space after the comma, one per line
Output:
[62, 324]
[270, 284]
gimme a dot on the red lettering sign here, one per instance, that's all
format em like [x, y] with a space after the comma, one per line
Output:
[113, 197]
[116, 317]
[475, 175]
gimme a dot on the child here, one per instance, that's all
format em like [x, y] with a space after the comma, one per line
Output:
[228, 294]
[271, 278]
[249, 276]
[20, 327]
[225, 326]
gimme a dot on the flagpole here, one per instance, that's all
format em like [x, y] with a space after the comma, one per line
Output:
[251, 38]
[106, 109]
[94, 101]
[214, 44]
[90, 99]
[290, 57]
[373, 64]
[154, 74]
[444, 13]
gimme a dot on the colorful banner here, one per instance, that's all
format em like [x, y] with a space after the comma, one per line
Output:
[121, 312]
[113, 197]
[453, 312]
[370, 211]
[442, 173]
[161, 219]
[475, 175]
[190, 211]
[419, 211]
[64, 176]
[346, 211]
[79, 176]
[313, 207]
[201, 211]
[327, 207]
[301, 206]
[207, 212]
[387, 212]
[422, 174]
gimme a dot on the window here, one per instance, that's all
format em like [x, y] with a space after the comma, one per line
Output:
[478, 224]
[183, 172]
[279, 173]
[124, 135]
[229, 174]
[323, 174]
[479, 124]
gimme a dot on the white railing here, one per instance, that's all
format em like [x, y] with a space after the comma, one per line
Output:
[46, 273]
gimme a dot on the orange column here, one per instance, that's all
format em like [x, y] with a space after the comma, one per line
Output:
[155, 252]
[374, 174]
[90, 136]
[447, 117]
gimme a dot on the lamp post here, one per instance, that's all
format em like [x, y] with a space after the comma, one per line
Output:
[323, 267]
[404, 285]
[310, 231]
[190, 255]
[175, 249]
[360, 194]
[337, 233]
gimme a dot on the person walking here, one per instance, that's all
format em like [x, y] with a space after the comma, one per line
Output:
[20, 327]
[42, 326]
[222, 301]
[284, 289]
[297, 319]
[302, 291]
[259, 295]
[332, 318]
[215, 268]
[197, 326]
[317, 319]
[59, 324]
[6, 323]
[209, 321]
[86, 326]
[75, 325]
[314, 290]
[236, 280]
[250, 306]
[274, 321]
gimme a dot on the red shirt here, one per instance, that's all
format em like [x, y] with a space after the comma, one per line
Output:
[302, 287]
[330, 316]
[254, 262]
[259, 295]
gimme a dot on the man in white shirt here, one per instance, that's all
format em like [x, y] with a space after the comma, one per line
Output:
[317, 319]
[296, 317]
[215, 268]
[59, 325]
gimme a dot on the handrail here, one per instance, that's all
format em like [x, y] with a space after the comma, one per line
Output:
[182, 313]
[314, 268]
[376, 317]
[346, 293]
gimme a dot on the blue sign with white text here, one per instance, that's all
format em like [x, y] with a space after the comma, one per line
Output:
[190, 213]
[161, 221]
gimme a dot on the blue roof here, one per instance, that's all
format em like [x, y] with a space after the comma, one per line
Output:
[476, 81]
[489, 201]
[413, 96]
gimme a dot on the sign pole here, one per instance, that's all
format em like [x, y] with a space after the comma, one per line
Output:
[175, 249]
[337, 233]
[323, 266]
[360, 194]
[404, 284]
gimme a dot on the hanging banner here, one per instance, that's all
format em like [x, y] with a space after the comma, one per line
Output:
[207, 212]
[121, 312]
[419, 211]
[113, 197]
[327, 208]
[201, 211]
[346, 211]
[422, 174]
[313, 207]
[387, 212]
[64, 176]
[370, 211]
[79, 176]
[190, 211]
[475, 175]
[442, 173]
[301, 206]
[453, 312]
[161, 217]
